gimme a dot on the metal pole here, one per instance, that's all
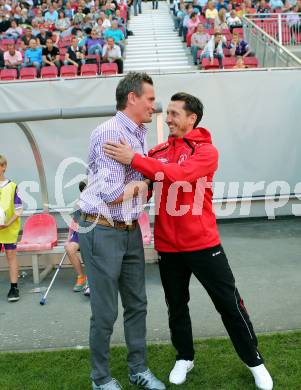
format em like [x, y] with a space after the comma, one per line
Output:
[279, 29]
[39, 162]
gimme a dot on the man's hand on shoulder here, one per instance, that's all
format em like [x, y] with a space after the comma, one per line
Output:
[121, 152]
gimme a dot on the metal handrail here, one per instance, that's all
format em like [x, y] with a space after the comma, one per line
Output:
[248, 24]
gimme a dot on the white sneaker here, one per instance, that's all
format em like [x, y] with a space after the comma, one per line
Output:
[178, 374]
[263, 379]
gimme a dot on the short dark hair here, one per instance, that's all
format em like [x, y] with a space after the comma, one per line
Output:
[192, 15]
[132, 82]
[192, 105]
[82, 185]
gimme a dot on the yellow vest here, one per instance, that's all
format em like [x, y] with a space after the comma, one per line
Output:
[9, 235]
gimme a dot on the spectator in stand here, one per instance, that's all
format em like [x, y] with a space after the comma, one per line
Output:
[51, 54]
[63, 23]
[221, 4]
[117, 34]
[263, 7]
[14, 32]
[211, 13]
[294, 23]
[35, 29]
[112, 53]
[99, 27]
[94, 43]
[75, 55]
[51, 15]
[26, 38]
[69, 11]
[275, 4]
[137, 6]
[106, 20]
[12, 58]
[79, 16]
[24, 19]
[155, 4]
[246, 9]
[39, 16]
[193, 23]
[239, 47]
[214, 49]
[189, 11]
[233, 21]
[196, 7]
[220, 21]
[43, 36]
[33, 55]
[180, 18]
[198, 41]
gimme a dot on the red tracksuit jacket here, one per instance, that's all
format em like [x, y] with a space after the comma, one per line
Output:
[180, 168]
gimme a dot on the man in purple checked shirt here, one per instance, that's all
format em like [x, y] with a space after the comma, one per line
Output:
[110, 237]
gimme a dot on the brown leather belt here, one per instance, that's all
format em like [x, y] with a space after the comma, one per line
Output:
[100, 220]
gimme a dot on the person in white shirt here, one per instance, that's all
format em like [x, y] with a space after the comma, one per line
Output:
[112, 53]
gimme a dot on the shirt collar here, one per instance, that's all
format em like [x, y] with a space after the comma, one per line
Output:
[130, 125]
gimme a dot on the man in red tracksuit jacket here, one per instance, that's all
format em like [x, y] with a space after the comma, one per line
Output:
[186, 235]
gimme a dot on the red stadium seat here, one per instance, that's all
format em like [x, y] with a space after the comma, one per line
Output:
[229, 62]
[49, 72]
[109, 69]
[89, 70]
[8, 74]
[28, 73]
[5, 42]
[251, 62]
[68, 71]
[206, 64]
[39, 233]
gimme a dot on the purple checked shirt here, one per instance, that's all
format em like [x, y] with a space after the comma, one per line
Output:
[107, 178]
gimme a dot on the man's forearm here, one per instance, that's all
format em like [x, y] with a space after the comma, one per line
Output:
[132, 190]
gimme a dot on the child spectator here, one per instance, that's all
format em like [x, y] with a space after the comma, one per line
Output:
[12, 209]
[214, 49]
[72, 247]
[239, 47]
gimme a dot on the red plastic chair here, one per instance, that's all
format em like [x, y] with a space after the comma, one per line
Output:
[206, 64]
[39, 233]
[28, 73]
[109, 69]
[89, 70]
[145, 228]
[49, 72]
[8, 74]
[229, 62]
[251, 62]
[68, 71]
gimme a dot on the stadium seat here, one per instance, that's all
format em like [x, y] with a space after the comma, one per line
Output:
[28, 73]
[8, 74]
[89, 70]
[49, 72]
[68, 71]
[206, 64]
[145, 228]
[109, 69]
[229, 62]
[251, 62]
[5, 42]
[39, 233]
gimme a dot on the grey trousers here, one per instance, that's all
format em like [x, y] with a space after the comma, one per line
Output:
[114, 261]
